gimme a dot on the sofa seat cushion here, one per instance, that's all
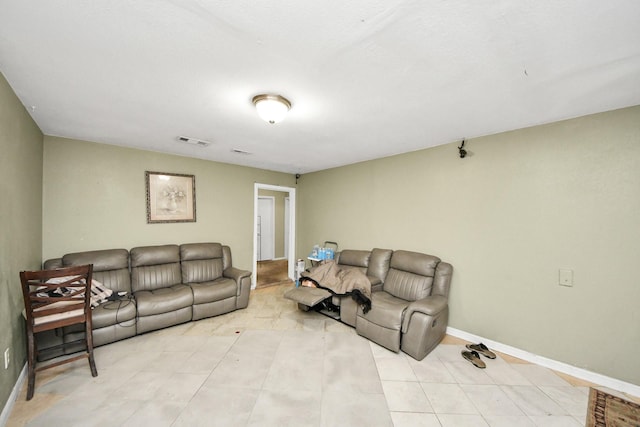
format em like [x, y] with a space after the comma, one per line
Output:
[112, 313]
[386, 310]
[215, 290]
[163, 300]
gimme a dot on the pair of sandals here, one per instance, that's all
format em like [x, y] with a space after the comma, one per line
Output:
[474, 352]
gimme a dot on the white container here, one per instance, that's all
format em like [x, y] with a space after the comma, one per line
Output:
[299, 270]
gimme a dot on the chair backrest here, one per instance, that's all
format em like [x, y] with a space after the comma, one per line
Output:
[155, 267]
[57, 298]
[410, 275]
[110, 267]
[201, 262]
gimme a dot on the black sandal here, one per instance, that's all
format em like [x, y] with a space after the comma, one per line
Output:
[474, 357]
[482, 349]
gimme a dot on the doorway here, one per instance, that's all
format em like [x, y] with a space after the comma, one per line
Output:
[274, 232]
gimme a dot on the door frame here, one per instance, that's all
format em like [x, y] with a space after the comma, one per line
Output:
[287, 217]
[292, 227]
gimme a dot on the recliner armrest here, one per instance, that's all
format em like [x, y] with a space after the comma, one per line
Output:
[235, 274]
[430, 306]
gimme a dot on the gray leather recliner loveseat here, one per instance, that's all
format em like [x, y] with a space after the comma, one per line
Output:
[161, 286]
[409, 299]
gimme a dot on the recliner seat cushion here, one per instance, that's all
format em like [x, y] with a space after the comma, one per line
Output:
[112, 313]
[163, 300]
[386, 310]
[213, 291]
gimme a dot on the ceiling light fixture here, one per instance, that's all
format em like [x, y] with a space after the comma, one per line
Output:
[271, 108]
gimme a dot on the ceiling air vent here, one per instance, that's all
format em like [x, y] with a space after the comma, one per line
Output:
[193, 141]
[237, 151]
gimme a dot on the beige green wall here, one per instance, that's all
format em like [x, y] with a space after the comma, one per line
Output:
[94, 198]
[278, 197]
[524, 205]
[20, 225]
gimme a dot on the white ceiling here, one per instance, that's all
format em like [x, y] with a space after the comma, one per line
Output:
[367, 78]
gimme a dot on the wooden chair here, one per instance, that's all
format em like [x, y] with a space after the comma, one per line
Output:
[54, 299]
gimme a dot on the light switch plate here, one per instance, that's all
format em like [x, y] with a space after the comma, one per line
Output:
[565, 277]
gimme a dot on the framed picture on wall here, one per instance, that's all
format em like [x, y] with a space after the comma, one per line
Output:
[171, 197]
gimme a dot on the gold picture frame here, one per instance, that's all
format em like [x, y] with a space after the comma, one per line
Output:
[171, 197]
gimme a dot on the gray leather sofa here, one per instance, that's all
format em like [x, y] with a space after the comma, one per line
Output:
[165, 285]
[409, 303]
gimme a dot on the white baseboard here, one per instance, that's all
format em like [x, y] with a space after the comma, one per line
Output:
[565, 368]
[8, 407]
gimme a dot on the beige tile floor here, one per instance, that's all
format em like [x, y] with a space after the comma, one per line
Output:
[272, 365]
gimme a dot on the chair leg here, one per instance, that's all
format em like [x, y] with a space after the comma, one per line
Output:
[89, 341]
[31, 365]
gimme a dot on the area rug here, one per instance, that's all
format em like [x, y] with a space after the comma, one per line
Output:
[611, 410]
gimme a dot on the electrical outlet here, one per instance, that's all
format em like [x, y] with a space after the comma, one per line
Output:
[7, 358]
[565, 277]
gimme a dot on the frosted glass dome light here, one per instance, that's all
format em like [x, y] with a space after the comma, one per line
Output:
[271, 108]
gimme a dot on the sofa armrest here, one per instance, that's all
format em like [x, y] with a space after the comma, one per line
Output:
[52, 264]
[235, 274]
[243, 283]
[429, 306]
[376, 284]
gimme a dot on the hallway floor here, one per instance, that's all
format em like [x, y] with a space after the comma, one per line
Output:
[272, 365]
[272, 272]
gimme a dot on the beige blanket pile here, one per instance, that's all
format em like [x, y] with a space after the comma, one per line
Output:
[340, 282]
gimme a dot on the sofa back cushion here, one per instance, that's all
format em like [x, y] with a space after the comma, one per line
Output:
[410, 275]
[379, 263]
[155, 267]
[201, 262]
[227, 262]
[442, 280]
[353, 259]
[110, 267]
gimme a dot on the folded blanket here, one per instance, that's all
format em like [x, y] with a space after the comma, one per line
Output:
[99, 292]
[341, 282]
